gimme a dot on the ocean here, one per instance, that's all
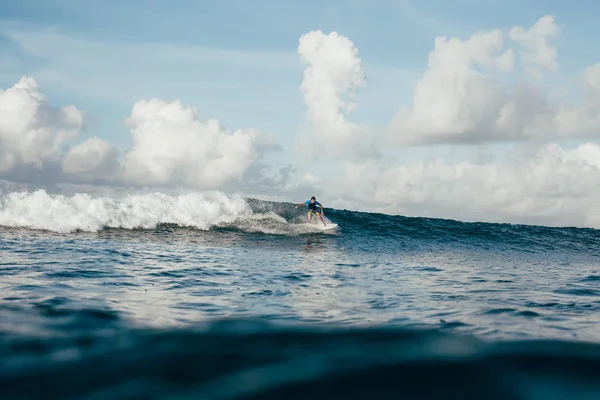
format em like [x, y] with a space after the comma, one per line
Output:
[214, 296]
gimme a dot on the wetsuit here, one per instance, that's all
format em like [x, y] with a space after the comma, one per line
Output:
[312, 207]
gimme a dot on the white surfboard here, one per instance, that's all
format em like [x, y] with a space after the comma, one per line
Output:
[321, 227]
[317, 224]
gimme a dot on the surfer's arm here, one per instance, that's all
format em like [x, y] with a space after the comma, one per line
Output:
[303, 204]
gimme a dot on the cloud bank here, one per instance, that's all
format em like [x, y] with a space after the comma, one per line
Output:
[474, 91]
[171, 145]
[551, 186]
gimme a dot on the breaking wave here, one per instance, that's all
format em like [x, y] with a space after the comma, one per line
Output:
[81, 212]
[69, 212]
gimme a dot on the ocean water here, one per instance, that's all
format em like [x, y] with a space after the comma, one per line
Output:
[204, 295]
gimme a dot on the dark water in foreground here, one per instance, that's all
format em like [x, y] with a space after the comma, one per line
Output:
[385, 307]
[253, 361]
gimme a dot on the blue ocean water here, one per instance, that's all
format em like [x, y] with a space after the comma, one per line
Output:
[210, 296]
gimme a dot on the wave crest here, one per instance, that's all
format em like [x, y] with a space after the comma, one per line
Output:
[82, 212]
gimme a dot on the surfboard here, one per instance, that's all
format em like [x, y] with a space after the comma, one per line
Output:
[320, 226]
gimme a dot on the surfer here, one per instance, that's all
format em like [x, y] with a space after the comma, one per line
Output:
[312, 209]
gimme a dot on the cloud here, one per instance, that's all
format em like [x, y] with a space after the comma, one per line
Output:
[454, 101]
[461, 99]
[32, 132]
[172, 146]
[583, 120]
[93, 159]
[265, 182]
[333, 74]
[552, 186]
[534, 43]
[35, 140]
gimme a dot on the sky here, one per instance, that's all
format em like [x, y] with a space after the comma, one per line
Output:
[473, 110]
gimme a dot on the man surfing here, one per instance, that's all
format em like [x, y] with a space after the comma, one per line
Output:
[312, 209]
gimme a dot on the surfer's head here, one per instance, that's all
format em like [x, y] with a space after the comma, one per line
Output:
[312, 199]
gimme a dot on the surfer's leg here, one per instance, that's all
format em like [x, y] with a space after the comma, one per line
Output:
[309, 217]
[322, 220]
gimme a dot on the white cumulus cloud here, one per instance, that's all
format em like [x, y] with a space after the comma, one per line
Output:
[171, 145]
[456, 101]
[461, 98]
[32, 132]
[93, 158]
[583, 119]
[333, 74]
[534, 42]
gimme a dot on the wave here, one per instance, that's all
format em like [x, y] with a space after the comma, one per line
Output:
[82, 212]
[419, 231]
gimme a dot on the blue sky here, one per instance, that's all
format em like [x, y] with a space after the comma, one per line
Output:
[237, 60]
[393, 37]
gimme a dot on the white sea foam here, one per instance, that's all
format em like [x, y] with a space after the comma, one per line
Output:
[71, 211]
[84, 212]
